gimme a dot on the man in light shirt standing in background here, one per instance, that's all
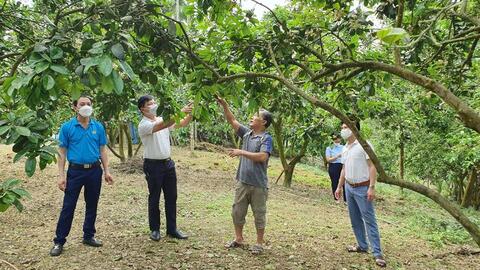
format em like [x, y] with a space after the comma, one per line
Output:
[158, 167]
[360, 176]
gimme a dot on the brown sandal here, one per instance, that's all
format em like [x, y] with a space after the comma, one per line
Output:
[356, 249]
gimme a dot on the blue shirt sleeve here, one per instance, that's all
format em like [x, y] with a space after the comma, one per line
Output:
[63, 136]
[267, 145]
[328, 152]
[102, 139]
[242, 130]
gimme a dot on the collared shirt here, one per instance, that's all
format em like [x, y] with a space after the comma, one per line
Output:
[82, 144]
[250, 172]
[334, 150]
[156, 145]
[354, 159]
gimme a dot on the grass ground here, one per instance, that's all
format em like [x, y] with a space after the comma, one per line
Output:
[306, 229]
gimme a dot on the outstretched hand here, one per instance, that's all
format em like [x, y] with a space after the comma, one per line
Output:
[188, 108]
[221, 101]
[235, 152]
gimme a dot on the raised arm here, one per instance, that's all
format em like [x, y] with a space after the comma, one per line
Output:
[186, 120]
[228, 114]
[160, 124]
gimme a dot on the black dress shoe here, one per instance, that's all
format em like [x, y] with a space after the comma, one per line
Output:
[56, 250]
[92, 242]
[178, 234]
[155, 235]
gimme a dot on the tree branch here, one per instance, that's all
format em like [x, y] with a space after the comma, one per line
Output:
[19, 61]
[468, 60]
[7, 55]
[181, 26]
[274, 60]
[284, 26]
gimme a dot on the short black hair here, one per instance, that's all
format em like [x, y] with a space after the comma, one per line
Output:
[267, 116]
[335, 136]
[142, 100]
[75, 102]
[357, 124]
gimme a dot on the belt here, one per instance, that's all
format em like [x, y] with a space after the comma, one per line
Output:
[84, 166]
[360, 184]
[157, 160]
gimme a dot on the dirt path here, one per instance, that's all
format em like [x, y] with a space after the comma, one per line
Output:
[305, 229]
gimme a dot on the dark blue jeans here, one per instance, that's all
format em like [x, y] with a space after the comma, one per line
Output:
[334, 170]
[91, 180]
[161, 175]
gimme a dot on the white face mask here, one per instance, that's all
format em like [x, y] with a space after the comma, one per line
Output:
[153, 109]
[346, 133]
[85, 111]
[336, 144]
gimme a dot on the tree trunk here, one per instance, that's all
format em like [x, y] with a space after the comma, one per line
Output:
[138, 148]
[111, 137]
[288, 176]
[126, 130]
[121, 143]
[402, 159]
[469, 191]
[192, 137]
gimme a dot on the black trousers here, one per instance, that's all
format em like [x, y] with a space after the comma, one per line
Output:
[161, 175]
[334, 170]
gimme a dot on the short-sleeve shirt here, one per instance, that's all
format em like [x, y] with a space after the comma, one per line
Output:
[334, 150]
[354, 159]
[250, 172]
[82, 144]
[156, 145]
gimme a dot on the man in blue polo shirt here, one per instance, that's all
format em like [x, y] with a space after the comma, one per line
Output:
[82, 142]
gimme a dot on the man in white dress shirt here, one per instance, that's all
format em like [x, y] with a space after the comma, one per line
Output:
[159, 169]
[360, 176]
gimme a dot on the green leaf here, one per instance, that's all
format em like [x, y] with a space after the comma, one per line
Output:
[39, 48]
[41, 66]
[3, 206]
[48, 82]
[24, 131]
[117, 82]
[18, 205]
[9, 198]
[118, 51]
[172, 28]
[126, 67]
[60, 69]
[8, 184]
[105, 65]
[107, 84]
[21, 192]
[96, 50]
[56, 53]
[391, 35]
[76, 91]
[88, 63]
[30, 166]
[20, 154]
[4, 129]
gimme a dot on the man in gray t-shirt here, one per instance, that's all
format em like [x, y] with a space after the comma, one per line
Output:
[252, 181]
